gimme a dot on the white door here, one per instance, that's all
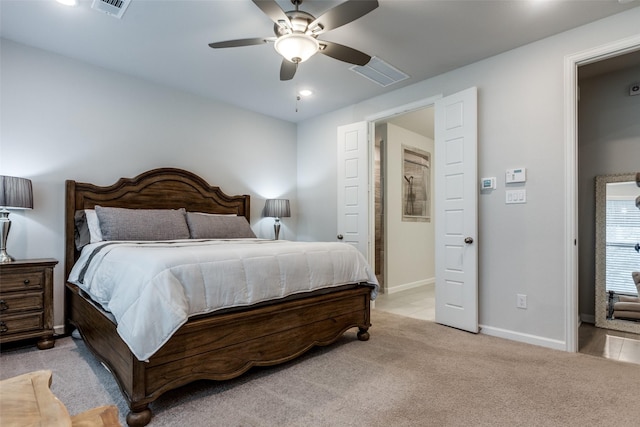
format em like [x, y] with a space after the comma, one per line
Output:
[456, 193]
[353, 217]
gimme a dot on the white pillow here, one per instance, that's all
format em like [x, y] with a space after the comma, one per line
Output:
[95, 233]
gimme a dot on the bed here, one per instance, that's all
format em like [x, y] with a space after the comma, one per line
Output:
[219, 345]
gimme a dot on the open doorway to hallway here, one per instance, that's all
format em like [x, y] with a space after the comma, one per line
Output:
[404, 223]
[608, 133]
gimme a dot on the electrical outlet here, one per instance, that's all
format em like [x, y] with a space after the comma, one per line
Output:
[521, 301]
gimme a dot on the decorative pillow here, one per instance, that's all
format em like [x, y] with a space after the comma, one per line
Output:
[211, 226]
[87, 228]
[81, 232]
[142, 224]
[95, 233]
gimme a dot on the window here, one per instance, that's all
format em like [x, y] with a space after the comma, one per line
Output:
[622, 234]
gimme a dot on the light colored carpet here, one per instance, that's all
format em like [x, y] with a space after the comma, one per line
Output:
[410, 373]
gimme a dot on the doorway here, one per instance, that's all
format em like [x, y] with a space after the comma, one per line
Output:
[607, 150]
[580, 301]
[404, 244]
[454, 206]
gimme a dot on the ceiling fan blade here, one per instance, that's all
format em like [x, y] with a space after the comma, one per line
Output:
[343, 53]
[242, 42]
[287, 70]
[273, 11]
[342, 14]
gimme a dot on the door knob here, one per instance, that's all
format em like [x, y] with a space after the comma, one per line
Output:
[468, 240]
[340, 236]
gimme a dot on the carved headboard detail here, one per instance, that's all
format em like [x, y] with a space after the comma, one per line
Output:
[163, 188]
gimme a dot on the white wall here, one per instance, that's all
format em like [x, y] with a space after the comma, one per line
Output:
[520, 124]
[608, 143]
[409, 254]
[62, 119]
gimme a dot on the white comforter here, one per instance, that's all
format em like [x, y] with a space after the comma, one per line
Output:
[152, 288]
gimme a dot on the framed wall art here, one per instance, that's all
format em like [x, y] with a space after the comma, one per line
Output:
[416, 185]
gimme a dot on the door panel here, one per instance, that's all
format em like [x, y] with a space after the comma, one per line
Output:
[353, 182]
[456, 192]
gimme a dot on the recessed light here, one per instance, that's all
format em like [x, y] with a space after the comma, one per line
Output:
[68, 2]
[305, 92]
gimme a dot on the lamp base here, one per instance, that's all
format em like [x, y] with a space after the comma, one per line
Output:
[276, 228]
[5, 226]
[5, 257]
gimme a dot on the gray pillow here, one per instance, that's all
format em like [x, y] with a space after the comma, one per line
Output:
[82, 236]
[207, 226]
[142, 224]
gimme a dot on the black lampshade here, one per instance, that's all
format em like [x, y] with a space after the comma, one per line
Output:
[15, 193]
[278, 208]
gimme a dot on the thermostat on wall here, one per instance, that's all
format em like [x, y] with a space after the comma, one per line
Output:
[516, 175]
[488, 183]
[634, 89]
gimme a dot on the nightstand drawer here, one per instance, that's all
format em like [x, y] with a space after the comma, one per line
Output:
[22, 280]
[15, 303]
[26, 301]
[20, 323]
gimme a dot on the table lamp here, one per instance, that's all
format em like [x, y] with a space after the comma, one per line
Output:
[15, 193]
[278, 208]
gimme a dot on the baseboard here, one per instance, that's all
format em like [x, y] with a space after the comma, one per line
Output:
[588, 318]
[411, 285]
[525, 338]
[58, 330]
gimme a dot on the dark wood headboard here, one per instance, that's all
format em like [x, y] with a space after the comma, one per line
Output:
[164, 188]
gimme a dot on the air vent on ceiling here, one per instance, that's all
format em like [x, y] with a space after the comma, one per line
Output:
[380, 72]
[115, 8]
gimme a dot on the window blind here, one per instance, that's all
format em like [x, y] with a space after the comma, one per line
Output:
[622, 234]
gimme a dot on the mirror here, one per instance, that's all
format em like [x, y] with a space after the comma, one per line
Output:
[617, 233]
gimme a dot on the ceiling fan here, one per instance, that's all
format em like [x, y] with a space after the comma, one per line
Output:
[296, 33]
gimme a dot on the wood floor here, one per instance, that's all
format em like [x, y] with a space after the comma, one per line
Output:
[623, 346]
[419, 303]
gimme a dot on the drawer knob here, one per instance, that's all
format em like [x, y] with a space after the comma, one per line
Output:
[3, 305]
[3, 327]
[27, 281]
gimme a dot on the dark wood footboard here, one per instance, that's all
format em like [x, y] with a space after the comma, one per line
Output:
[220, 346]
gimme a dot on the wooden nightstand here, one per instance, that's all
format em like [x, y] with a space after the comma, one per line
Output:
[26, 301]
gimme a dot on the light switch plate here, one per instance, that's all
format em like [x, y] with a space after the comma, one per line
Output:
[516, 196]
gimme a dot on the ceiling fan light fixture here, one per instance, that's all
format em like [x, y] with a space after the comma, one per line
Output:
[296, 47]
[317, 29]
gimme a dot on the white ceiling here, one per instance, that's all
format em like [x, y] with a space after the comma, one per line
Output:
[167, 42]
